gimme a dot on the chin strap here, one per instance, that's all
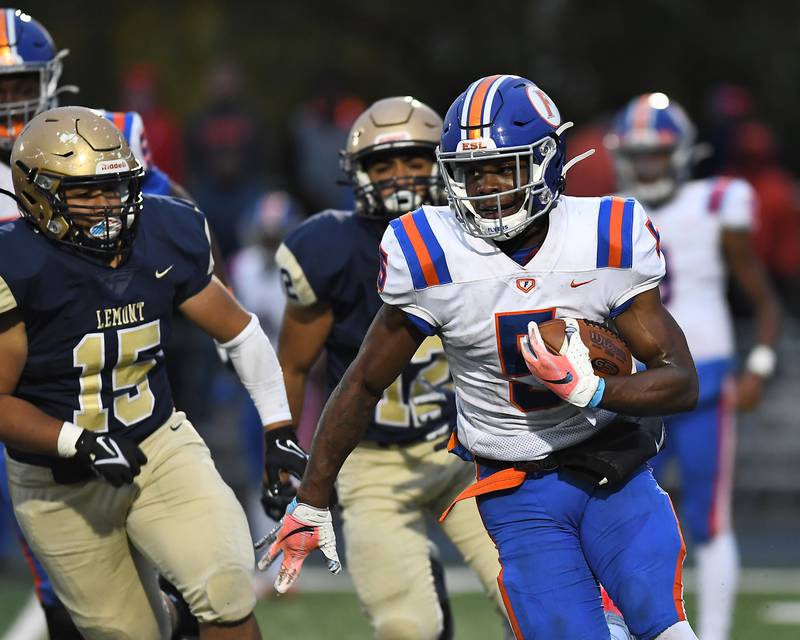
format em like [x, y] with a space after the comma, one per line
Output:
[576, 160]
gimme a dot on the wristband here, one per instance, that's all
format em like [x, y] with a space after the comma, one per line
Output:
[761, 361]
[598, 395]
[67, 438]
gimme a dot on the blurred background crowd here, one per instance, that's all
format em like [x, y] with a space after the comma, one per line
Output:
[248, 104]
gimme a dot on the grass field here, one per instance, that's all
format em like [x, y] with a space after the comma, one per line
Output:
[336, 616]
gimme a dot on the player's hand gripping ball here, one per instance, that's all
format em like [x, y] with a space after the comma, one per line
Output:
[608, 352]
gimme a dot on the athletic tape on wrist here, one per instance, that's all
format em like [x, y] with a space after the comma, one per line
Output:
[598, 394]
[761, 361]
[67, 438]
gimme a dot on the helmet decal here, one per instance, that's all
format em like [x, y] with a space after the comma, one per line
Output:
[544, 106]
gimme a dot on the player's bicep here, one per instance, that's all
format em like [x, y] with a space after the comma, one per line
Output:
[652, 333]
[13, 350]
[387, 349]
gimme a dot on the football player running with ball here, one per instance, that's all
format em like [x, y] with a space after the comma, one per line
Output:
[511, 251]
[705, 233]
[108, 480]
[400, 471]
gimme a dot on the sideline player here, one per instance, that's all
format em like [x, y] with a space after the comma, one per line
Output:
[705, 234]
[90, 277]
[509, 252]
[400, 470]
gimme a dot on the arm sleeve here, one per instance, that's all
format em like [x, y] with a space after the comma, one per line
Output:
[258, 368]
[396, 287]
[737, 206]
[194, 243]
[647, 268]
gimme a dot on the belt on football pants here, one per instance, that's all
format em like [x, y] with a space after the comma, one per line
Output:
[508, 475]
[609, 458]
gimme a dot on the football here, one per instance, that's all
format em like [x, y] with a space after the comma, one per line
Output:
[609, 354]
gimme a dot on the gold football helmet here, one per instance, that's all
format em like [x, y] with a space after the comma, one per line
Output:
[388, 127]
[77, 181]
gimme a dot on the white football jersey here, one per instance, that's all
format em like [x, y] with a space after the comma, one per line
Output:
[691, 225]
[598, 254]
[8, 207]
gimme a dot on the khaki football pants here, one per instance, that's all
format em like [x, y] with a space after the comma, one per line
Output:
[385, 493]
[102, 547]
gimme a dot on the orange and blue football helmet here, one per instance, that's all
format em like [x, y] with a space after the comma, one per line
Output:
[30, 68]
[504, 116]
[652, 142]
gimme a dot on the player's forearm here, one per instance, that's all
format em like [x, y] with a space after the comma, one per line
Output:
[658, 391]
[24, 427]
[768, 319]
[295, 381]
[341, 427]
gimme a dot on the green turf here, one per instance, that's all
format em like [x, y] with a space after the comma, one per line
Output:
[337, 616]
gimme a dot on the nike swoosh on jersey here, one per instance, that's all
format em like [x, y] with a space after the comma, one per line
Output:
[574, 284]
[161, 274]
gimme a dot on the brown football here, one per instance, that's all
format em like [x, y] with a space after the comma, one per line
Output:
[609, 354]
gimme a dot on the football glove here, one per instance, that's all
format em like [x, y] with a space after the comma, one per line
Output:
[113, 458]
[282, 455]
[569, 375]
[303, 529]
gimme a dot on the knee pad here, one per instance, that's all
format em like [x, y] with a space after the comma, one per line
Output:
[229, 597]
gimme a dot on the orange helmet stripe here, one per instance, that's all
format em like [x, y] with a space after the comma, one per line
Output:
[641, 118]
[474, 120]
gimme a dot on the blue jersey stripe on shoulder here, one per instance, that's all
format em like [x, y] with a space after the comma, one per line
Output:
[434, 248]
[417, 276]
[627, 234]
[603, 238]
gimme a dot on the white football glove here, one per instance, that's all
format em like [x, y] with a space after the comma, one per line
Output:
[568, 374]
[303, 529]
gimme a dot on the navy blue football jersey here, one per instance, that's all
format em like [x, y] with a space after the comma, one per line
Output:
[95, 333]
[333, 258]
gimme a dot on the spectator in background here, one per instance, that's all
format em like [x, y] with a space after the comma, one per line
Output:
[318, 131]
[776, 237]
[253, 270]
[224, 150]
[139, 92]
